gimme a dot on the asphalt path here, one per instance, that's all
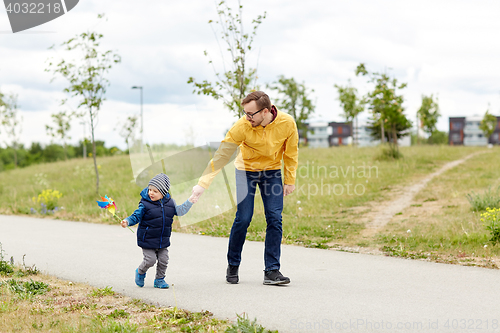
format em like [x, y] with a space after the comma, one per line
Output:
[330, 291]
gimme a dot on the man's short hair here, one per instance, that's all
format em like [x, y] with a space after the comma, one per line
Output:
[260, 98]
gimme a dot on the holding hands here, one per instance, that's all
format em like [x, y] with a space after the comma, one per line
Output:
[124, 223]
[288, 189]
[196, 194]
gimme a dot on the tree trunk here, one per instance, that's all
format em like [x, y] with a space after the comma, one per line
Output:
[94, 154]
[357, 131]
[416, 125]
[352, 134]
[15, 157]
[394, 135]
[382, 129]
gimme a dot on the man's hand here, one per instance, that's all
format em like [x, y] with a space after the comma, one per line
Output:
[193, 199]
[288, 189]
[124, 223]
[197, 192]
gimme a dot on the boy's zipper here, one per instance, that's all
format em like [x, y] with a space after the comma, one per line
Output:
[163, 223]
[145, 232]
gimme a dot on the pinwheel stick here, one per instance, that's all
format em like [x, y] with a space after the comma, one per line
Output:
[120, 220]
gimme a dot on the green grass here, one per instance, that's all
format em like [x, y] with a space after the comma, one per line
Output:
[443, 223]
[334, 189]
[488, 199]
[245, 325]
[318, 202]
[107, 291]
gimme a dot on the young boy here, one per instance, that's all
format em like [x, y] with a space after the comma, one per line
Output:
[155, 216]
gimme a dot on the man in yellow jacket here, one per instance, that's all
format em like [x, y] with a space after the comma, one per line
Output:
[266, 137]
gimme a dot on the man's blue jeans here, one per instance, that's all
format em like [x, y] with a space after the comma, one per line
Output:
[271, 190]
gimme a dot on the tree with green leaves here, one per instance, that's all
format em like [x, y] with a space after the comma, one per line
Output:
[236, 82]
[428, 114]
[62, 125]
[86, 77]
[11, 121]
[293, 97]
[488, 124]
[351, 103]
[386, 106]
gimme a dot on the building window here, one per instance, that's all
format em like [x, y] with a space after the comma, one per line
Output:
[455, 137]
[456, 125]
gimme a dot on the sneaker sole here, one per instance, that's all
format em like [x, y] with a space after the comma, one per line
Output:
[270, 282]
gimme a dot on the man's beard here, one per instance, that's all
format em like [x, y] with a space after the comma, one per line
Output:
[254, 124]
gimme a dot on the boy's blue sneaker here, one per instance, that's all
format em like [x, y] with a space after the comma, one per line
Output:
[139, 278]
[160, 283]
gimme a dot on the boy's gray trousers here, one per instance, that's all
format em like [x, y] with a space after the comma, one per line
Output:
[150, 258]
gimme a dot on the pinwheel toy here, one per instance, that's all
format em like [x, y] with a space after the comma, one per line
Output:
[109, 204]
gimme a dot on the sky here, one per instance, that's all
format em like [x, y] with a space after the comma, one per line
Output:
[448, 48]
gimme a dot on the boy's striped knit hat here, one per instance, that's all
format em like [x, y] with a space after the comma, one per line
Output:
[161, 182]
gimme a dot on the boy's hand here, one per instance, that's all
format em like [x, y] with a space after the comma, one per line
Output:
[124, 223]
[193, 199]
[197, 192]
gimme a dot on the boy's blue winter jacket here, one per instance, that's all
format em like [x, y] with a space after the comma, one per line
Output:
[155, 221]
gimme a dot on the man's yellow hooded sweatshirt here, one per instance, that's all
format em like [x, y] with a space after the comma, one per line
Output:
[261, 148]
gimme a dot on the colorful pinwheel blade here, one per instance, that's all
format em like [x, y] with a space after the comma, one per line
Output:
[112, 209]
[103, 204]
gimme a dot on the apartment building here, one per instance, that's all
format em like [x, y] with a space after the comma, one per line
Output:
[328, 134]
[465, 131]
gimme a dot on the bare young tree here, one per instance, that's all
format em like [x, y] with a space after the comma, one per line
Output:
[86, 77]
[11, 121]
[62, 125]
[235, 83]
[127, 129]
[351, 103]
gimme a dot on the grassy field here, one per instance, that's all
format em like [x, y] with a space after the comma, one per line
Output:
[441, 224]
[335, 189]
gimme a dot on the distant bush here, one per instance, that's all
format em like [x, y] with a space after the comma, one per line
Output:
[389, 152]
[39, 153]
[438, 138]
[480, 201]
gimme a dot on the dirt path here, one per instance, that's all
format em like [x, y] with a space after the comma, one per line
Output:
[383, 212]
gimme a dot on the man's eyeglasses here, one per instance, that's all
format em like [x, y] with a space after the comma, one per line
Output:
[253, 114]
